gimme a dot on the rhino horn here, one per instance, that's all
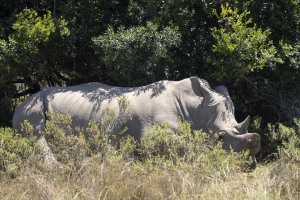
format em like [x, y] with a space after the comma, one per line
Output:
[243, 126]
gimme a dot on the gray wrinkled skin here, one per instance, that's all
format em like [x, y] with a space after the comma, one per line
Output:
[136, 108]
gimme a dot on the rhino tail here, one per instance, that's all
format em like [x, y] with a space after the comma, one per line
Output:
[32, 110]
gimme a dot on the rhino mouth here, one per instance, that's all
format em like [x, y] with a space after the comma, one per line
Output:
[252, 143]
[239, 143]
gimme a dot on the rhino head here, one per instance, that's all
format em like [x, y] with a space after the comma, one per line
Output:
[232, 140]
[239, 139]
[239, 143]
[218, 106]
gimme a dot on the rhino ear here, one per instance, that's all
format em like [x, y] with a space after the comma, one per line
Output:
[243, 126]
[201, 88]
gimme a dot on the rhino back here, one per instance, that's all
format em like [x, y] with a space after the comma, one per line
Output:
[144, 105]
[159, 102]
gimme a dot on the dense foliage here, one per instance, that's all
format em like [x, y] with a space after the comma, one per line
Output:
[250, 46]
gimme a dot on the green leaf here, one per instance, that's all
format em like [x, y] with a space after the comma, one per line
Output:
[240, 46]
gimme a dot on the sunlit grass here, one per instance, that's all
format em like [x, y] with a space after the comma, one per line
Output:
[179, 165]
[132, 180]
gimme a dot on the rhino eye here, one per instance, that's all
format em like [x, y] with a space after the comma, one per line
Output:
[221, 134]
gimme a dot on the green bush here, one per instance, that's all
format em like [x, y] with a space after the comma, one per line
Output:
[67, 143]
[140, 54]
[160, 147]
[279, 140]
[290, 148]
[72, 145]
[192, 150]
[14, 150]
[240, 46]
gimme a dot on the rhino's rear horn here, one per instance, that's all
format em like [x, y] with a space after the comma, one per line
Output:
[243, 126]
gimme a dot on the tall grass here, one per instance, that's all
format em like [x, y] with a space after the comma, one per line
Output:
[164, 165]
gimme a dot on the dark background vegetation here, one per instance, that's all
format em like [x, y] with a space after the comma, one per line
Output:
[250, 46]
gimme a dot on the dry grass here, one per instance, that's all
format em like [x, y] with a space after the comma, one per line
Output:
[170, 166]
[117, 179]
[263, 183]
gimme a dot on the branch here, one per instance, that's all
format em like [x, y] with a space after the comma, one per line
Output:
[15, 81]
[25, 92]
[60, 76]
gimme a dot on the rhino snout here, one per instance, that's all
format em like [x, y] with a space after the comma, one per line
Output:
[252, 143]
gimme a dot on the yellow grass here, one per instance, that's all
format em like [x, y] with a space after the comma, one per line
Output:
[117, 179]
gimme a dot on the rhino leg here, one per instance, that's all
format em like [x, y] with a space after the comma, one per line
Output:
[49, 156]
[254, 163]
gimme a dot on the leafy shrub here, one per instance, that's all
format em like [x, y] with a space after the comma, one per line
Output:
[290, 149]
[73, 145]
[128, 147]
[192, 150]
[279, 140]
[138, 55]
[160, 147]
[240, 46]
[14, 150]
[67, 143]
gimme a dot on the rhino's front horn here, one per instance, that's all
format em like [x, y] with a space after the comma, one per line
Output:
[243, 126]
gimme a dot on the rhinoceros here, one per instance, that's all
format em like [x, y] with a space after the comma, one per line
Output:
[190, 99]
